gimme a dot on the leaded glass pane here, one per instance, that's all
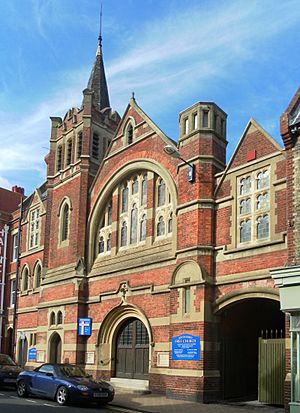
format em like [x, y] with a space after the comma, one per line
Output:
[263, 227]
[245, 185]
[161, 226]
[245, 206]
[38, 276]
[133, 228]
[59, 317]
[262, 201]
[245, 231]
[65, 223]
[125, 199]
[109, 214]
[161, 193]
[101, 245]
[143, 228]
[124, 234]
[144, 190]
[125, 337]
[108, 243]
[26, 280]
[263, 180]
[129, 134]
[135, 185]
[142, 337]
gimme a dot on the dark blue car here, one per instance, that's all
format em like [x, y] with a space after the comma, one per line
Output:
[65, 383]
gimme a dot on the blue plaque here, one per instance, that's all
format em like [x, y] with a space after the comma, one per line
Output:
[186, 347]
[84, 326]
[32, 354]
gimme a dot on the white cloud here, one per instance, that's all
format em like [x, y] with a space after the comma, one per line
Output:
[165, 58]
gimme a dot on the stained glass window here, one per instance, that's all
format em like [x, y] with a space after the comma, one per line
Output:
[133, 227]
[263, 227]
[124, 234]
[161, 226]
[143, 228]
[161, 192]
[245, 231]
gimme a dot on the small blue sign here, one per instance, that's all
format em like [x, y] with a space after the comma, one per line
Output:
[186, 347]
[32, 354]
[84, 326]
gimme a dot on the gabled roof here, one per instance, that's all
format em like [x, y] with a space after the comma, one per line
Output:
[254, 138]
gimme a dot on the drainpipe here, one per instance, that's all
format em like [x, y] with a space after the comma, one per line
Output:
[4, 233]
[14, 333]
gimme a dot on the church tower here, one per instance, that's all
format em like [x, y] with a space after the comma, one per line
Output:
[78, 144]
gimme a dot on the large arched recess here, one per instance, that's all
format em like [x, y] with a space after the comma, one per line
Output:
[244, 315]
[115, 179]
[109, 330]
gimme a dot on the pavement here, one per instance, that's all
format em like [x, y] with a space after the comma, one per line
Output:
[157, 403]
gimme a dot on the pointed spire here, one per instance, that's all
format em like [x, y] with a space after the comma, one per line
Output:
[97, 81]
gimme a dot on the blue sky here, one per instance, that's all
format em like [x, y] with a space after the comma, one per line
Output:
[243, 55]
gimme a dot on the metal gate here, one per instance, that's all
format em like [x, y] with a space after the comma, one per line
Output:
[271, 369]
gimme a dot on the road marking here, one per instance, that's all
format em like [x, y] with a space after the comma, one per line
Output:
[30, 401]
[13, 397]
[50, 405]
[2, 394]
[122, 409]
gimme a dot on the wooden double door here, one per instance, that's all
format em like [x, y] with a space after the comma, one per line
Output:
[132, 350]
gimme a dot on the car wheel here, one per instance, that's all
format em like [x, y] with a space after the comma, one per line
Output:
[22, 389]
[62, 396]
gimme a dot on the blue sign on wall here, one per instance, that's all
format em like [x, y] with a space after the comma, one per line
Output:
[32, 354]
[84, 326]
[186, 347]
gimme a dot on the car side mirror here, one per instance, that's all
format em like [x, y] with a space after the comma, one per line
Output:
[50, 374]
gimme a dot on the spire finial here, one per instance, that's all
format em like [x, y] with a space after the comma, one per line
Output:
[100, 27]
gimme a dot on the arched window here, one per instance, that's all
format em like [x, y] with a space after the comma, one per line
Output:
[59, 158]
[245, 206]
[135, 185]
[245, 185]
[170, 223]
[59, 317]
[38, 275]
[108, 243]
[109, 214]
[124, 234]
[143, 225]
[245, 231]
[52, 319]
[263, 227]
[125, 199]
[262, 201]
[133, 226]
[262, 179]
[79, 145]
[161, 226]
[65, 223]
[101, 245]
[69, 152]
[144, 190]
[129, 134]
[161, 192]
[25, 279]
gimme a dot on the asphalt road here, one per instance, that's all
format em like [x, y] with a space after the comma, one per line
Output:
[11, 403]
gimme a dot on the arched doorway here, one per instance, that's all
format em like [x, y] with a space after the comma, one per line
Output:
[132, 350]
[55, 349]
[242, 323]
[22, 353]
[9, 336]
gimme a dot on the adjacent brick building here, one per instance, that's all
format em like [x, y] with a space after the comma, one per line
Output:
[121, 234]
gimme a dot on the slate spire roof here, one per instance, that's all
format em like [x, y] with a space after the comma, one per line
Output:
[97, 81]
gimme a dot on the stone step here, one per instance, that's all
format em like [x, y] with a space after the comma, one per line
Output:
[130, 385]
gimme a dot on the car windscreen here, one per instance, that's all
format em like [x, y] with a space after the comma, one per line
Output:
[71, 371]
[6, 360]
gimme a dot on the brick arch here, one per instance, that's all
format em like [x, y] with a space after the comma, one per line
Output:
[233, 297]
[106, 342]
[114, 180]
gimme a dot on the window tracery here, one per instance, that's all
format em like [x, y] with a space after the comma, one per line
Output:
[253, 198]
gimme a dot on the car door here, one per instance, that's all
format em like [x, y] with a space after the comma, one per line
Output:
[43, 382]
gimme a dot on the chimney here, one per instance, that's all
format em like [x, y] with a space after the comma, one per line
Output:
[18, 189]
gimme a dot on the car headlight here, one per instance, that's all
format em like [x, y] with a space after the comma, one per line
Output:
[82, 388]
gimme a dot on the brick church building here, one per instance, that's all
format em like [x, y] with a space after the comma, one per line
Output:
[149, 270]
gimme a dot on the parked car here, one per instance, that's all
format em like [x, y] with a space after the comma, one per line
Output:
[65, 383]
[8, 371]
